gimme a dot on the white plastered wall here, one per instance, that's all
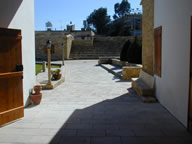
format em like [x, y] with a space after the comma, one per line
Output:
[19, 14]
[172, 88]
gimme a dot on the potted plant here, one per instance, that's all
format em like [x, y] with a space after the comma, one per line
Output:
[56, 75]
[37, 96]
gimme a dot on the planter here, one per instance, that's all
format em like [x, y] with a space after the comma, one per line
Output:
[37, 89]
[36, 98]
[55, 74]
[59, 76]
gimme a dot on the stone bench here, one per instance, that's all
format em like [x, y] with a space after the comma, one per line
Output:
[144, 86]
[104, 61]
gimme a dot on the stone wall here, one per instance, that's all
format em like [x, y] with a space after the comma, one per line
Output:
[83, 42]
[100, 47]
[75, 48]
[148, 35]
[57, 38]
[82, 35]
[41, 38]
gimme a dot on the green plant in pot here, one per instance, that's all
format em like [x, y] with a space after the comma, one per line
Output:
[56, 75]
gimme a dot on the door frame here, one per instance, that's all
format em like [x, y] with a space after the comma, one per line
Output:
[190, 83]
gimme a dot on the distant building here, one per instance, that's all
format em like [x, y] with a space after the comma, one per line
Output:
[133, 22]
[48, 25]
[70, 27]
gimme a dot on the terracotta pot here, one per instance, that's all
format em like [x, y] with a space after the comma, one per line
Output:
[37, 89]
[59, 76]
[36, 98]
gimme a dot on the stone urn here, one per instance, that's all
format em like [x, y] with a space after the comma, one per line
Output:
[37, 96]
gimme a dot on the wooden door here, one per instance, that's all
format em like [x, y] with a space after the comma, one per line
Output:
[157, 50]
[190, 88]
[11, 76]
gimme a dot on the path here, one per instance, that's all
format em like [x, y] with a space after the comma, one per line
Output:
[94, 107]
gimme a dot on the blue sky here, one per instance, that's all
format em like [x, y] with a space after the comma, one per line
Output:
[61, 12]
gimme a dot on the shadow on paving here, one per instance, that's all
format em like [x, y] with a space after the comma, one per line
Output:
[122, 120]
[116, 68]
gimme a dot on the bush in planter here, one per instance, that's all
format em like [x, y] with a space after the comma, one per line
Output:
[123, 54]
[56, 75]
[132, 52]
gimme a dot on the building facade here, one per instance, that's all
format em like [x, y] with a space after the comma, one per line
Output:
[173, 86]
[170, 54]
[19, 14]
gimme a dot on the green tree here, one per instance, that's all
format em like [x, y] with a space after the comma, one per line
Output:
[122, 9]
[99, 19]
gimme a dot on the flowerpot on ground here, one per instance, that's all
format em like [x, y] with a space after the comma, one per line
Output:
[55, 74]
[37, 89]
[37, 96]
[59, 76]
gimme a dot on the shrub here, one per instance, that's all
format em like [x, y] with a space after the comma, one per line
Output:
[55, 74]
[132, 52]
[123, 54]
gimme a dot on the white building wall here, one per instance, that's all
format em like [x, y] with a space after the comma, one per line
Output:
[19, 14]
[173, 87]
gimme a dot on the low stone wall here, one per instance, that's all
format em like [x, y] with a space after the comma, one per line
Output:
[104, 61]
[131, 72]
[120, 63]
[117, 62]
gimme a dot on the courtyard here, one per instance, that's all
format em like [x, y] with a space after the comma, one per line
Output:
[94, 107]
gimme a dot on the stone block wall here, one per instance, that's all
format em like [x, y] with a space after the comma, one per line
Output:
[91, 48]
[148, 35]
[131, 72]
[99, 47]
[40, 44]
[57, 38]
[83, 42]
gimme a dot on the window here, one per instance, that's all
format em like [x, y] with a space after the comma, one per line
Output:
[158, 45]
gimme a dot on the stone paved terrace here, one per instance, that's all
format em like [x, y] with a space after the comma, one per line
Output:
[94, 107]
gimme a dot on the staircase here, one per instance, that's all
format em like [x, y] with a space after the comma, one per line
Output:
[100, 47]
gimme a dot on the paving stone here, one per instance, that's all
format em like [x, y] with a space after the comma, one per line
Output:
[138, 140]
[74, 140]
[79, 126]
[94, 107]
[120, 133]
[91, 132]
[52, 125]
[148, 132]
[106, 140]
[105, 127]
[64, 132]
